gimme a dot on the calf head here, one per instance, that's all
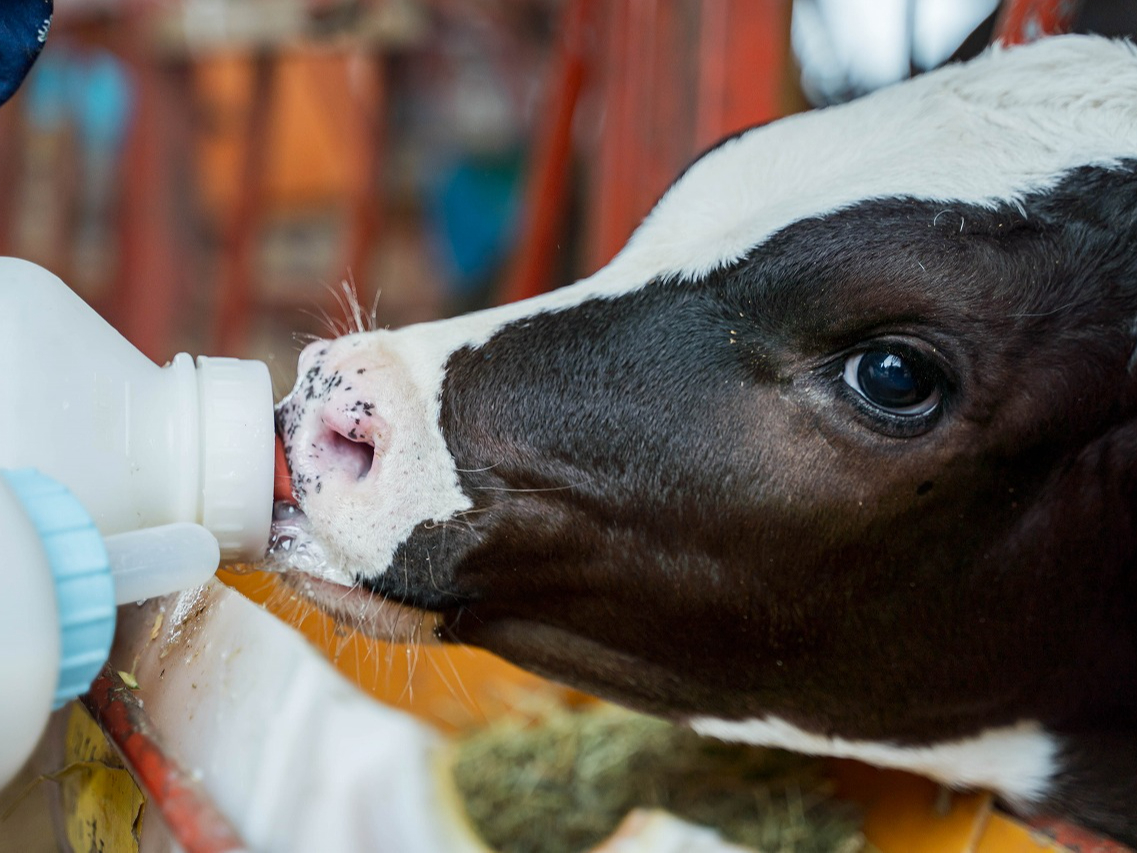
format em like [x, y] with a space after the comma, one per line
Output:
[839, 453]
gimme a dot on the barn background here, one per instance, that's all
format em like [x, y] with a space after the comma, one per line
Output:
[206, 173]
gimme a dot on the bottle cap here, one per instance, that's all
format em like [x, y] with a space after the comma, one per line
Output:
[237, 446]
[84, 589]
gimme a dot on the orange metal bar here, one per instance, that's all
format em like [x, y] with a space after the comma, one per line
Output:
[679, 76]
[192, 818]
[611, 202]
[1024, 21]
[143, 305]
[547, 189]
[751, 40]
[636, 64]
[742, 53]
[368, 81]
[236, 297]
[713, 80]
[622, 191]
[664, 140]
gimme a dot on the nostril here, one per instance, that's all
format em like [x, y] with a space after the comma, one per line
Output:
[354, 456]
[354, 437]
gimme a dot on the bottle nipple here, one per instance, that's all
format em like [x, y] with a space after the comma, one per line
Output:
[282, 477]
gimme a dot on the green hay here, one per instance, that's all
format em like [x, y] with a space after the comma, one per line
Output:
[563, 782]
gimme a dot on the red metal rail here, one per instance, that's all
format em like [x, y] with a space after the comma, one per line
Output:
[547, 189]
[1024, 21]
[192, 818]
[666, 79]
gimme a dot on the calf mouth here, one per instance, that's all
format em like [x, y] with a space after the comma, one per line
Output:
[297, 556]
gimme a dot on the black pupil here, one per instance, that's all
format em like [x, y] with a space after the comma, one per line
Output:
[893, 382]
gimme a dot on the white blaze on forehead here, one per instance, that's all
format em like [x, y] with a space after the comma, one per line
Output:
[1018, 762]
[989, 132]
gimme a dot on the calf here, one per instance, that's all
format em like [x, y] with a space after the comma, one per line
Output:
[839, 454]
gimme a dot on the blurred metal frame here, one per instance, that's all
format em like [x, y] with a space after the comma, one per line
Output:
[666, 78]
[1024, 21]
[237, 296]
[743, 68]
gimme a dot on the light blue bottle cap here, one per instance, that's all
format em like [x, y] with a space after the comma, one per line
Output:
[84, 589]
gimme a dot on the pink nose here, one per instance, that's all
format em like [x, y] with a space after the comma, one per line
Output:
[343, 438]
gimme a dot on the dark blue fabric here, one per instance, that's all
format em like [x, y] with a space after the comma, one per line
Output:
[23, 31]
[473, 208]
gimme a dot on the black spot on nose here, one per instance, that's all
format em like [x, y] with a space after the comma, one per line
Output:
[924, 487]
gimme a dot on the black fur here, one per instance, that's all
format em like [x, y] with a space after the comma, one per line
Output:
[693, 445]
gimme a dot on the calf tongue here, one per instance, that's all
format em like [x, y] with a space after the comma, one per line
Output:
[282, 482]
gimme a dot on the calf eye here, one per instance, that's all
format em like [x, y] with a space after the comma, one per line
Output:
[898, 382]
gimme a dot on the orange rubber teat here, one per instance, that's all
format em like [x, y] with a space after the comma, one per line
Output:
[282, 478]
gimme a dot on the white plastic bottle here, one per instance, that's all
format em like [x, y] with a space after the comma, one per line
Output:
[61, 583]
[138, 445]
[119, 480]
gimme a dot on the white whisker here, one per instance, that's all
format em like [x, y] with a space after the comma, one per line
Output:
[525, 491]
[478, 470]
[375, 309]
[351, 297]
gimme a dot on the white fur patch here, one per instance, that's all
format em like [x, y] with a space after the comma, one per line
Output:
[1017, 761]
